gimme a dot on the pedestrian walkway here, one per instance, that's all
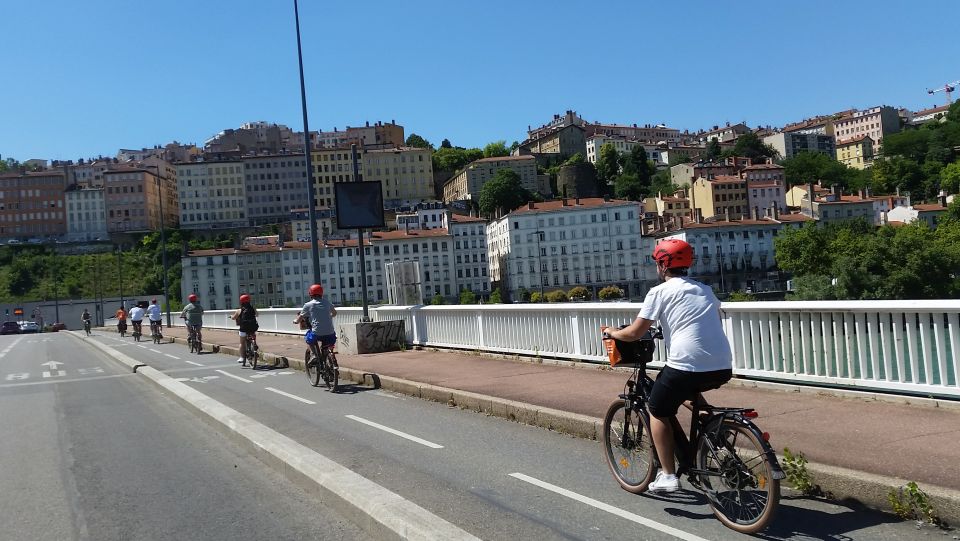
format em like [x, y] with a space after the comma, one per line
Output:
[912, 442]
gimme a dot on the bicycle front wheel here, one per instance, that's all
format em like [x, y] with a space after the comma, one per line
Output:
[628, 447]
[252, 356]
[740, 485]
[331, 373]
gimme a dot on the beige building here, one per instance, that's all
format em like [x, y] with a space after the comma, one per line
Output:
[380, 135]
[874, 122]
[723, 195]
[406, 174]
[32, 204]
[668, 206]
[132, 199]
[856, 152]
[212, 194]
[466, 184]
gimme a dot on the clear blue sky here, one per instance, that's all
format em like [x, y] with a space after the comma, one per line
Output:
[86, 78]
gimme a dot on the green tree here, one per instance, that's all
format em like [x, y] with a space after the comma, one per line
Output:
[467, 297]
[910, 144]
[608, 164]
[749, 145]
[496, 297]
[953, 113]
[676, 158]
[446, 144]
[812, 287]
[437, 300]
[557, 295]
[514, 146]
[503, 193]
[453, 159]
[713, 150]
[495, 149]
[523, 295]
[579, 293]
[950, 178]
[536, 297]
[628, 186]
[740, 296]
[897, 172]
[610, 293]
[414, 140]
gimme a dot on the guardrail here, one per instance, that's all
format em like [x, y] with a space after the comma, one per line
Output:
[899, 346]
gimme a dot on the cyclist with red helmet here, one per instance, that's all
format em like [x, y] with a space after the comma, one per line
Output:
[698, 354]
[319, 313]
[246, 318]
[193, 313]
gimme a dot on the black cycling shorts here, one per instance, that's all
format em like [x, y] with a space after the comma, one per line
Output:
[673, 387]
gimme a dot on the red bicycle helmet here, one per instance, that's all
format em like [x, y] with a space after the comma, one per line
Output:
[316, 290]
[193, 297]
[673, 254]
[244, 298]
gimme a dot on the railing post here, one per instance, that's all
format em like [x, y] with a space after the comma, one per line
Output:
[480, 341]
[575, 329]
[419, 326]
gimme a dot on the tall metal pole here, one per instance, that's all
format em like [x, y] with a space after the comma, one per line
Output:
[363, 268]
[163, 242]
[100, 318]
[314, 249]
[120, 272]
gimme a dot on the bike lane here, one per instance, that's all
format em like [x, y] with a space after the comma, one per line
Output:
[494, 478]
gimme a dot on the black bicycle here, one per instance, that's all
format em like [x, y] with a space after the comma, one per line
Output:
[86, 326]
[726, 457]
[194, 340]
[321, 364]
[137, 330]
[251, 353]
[155, 331]
[122, 328]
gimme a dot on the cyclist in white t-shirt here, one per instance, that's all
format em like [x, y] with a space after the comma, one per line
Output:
[156, 317]
[698, 354]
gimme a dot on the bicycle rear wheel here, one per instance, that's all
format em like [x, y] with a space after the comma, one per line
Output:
[741, 488]
[628, 447]
[331, 372]
[312, 367]
[252, 356]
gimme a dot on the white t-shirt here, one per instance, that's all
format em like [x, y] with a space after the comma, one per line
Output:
[136, 313]
[154, 312]
[689, 314]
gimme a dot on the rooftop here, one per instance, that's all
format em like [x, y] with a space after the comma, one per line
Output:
[931, 207]
[505, 158]
[462, 218]
[852, 140]
[571, 204]
[763, 167]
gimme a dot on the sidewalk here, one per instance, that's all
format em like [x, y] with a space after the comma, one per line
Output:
[914, 442]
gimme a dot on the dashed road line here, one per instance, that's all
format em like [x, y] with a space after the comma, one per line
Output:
[229, 375]
[395, 432]
[288, 395]
[155, 350]
[193, 363]
[669, 530]
[172, 356]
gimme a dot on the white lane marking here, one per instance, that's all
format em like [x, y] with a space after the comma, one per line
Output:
[229, 375]
[57, 374]
[155, 350]
[193, 363]
[388, 395]
[62, 381]
[19, 375]
[172, 356]
[395, 432]
[86, 371]
[669, 530]
[199, 380]
[139, 346]
[288, 395]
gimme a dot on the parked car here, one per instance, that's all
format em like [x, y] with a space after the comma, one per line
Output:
[58, 327]
[29, 327]
[13, 241]
[10, 327]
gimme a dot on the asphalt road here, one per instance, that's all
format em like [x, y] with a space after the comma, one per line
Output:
[491, 477]
[91, 451]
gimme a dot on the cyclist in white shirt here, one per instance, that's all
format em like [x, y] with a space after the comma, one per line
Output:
[136, 316]
[153, 312]
[698, 354]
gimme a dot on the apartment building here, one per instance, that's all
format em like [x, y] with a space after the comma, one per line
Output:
[590, 242]
[273, 185]
[856, 152]
[466, 184]
[875, 122]
[32, 204]
[132, 199]
[676, 206]
[722, 195]
[723, 134]
[214, 276]
[300, 223]
[86, 213]
[622, 145]
[380, 135]
[405, 173]
[332, 165]
[789, 144]
[212, 194]
[766, 186]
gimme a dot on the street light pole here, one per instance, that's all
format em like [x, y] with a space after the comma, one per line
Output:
[163, 242]
[363, 268]
[120, 272]
[312, 197]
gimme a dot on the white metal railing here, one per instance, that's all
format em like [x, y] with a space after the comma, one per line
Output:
[904, 346]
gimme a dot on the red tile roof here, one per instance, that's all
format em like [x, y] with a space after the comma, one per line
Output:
[462, 218]
[763, 184]
[794, 217]
[585, 202]
[847, 199]
[852, 140]
[932, 207]
[762, 167]
[731, 223]
[932, 110]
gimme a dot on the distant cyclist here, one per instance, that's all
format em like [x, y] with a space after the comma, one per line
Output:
[246, 318]
[121, 319]
[193, 314]
[318, 312]
[136, 317]
[155, 316]
[698, 354]
[85, 318]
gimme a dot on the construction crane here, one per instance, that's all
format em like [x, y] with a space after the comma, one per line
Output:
[948, 88]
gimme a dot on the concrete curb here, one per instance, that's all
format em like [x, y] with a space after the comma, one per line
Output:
[380, 512]
[843, 484]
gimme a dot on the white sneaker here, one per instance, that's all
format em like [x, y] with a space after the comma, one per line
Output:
[664, 483]
[241, 360]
